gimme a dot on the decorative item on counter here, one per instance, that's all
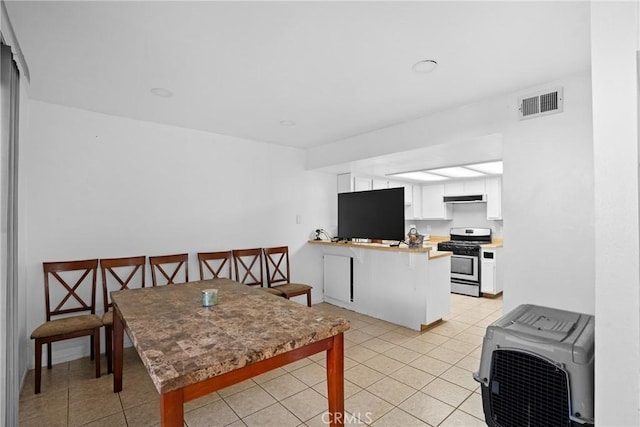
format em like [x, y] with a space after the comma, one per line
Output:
[415, 239]
[209, 297]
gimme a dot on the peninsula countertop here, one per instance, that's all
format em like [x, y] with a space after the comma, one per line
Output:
[431, 250]
[181, 342]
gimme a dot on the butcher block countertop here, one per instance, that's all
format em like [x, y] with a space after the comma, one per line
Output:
[430, 250]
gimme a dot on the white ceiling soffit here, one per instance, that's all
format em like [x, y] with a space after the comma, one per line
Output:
[328, 70]
[457, 153]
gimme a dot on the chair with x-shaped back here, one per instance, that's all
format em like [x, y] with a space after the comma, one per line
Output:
[68, 300]
[174, 264]
[118, 274]
[215, 265]
[278, 277]
[248, 266]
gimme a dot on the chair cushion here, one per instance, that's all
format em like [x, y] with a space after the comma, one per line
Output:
[67, 325]
[293, 289]
[273, 291]
[107, 318]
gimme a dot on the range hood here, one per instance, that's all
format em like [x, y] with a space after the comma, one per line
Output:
[467, 198]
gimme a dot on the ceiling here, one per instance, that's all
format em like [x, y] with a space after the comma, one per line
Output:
[335, 69]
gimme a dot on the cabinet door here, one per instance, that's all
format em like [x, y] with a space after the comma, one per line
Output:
[455, 188]
[337, 277]
[361, 184]
[408, 194]
[474, 186]
[414, 210]
[458, 188]
[379, 184]
[345, 183]
[494, 198]
[432, 205]
[488, 279]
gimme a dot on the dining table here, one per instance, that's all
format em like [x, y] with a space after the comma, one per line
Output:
[190, 350]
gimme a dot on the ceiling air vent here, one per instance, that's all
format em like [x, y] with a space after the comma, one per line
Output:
[541, 104]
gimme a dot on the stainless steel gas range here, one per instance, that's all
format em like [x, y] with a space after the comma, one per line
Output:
[465, 261]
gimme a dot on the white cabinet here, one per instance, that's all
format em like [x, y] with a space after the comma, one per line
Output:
[362, 184]
[433, 206]
[455, 188]
[494, 198]
[490, 274]
[408, 194]
[337, 278]
[345, 183]
[379, 184]
[414, 210]
[459, 188]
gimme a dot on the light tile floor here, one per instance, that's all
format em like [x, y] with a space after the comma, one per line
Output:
[394, 376]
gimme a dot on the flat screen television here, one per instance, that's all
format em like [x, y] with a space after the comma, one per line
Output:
[376, 214]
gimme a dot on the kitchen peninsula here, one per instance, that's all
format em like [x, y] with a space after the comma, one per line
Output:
[405, 286]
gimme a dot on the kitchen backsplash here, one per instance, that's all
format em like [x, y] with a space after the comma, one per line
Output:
[464, 215]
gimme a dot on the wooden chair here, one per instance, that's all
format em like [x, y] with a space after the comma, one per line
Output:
[248, 266]
[122, 272]
[169, 261]
[73, 299]
[216, 263]
[277, 261]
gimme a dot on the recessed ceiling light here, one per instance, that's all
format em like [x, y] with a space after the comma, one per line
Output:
[419, 176]
[456, 172]
[425, 66]
[287, 123]
[161, 92]
[491, 168]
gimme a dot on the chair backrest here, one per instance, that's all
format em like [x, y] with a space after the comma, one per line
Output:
[216, 263]
[277, 261]
[73, 298]
[122, 272]
[173, 263]
[248, 266]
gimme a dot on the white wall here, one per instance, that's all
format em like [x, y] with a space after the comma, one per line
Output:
[614, 46]
[548, 206]
[547, 202]
[102, 186]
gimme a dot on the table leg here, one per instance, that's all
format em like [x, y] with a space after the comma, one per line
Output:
[172, 409]
[335, 380]
[118, 344]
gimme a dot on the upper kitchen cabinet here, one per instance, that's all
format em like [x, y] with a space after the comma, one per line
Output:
[379, 184]
[362, 184]
[458, 188]
[493, 187]
[413, 210]
[433, 206]
[348, 183]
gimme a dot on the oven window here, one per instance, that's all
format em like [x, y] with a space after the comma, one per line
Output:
[462, 265]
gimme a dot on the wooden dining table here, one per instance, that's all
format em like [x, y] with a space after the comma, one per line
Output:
[190, 350]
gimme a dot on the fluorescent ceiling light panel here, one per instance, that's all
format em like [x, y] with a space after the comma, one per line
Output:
[456, 172]
[491, 168]
[419, 176]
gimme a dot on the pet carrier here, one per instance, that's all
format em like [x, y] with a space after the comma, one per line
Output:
[536, 369]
